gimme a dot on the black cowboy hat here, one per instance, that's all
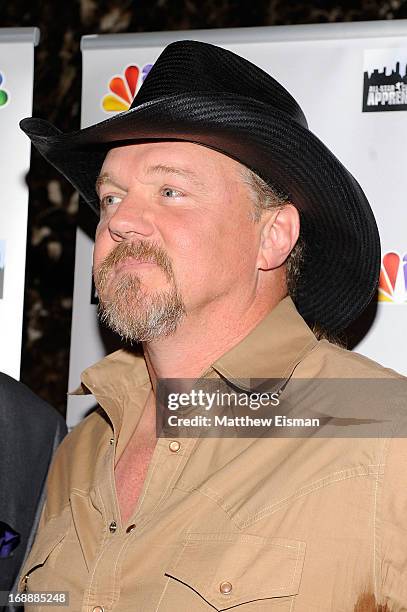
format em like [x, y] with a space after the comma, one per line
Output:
[201, 93]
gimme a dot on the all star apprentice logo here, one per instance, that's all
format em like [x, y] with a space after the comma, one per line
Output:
[4, 95]
[385, 80]
[123, 88]
[393, 278]
[385, 92]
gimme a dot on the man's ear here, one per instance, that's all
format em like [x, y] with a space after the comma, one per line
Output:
[279, 234]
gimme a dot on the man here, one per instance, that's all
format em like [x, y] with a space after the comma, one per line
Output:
[217, 206]
[31, 431]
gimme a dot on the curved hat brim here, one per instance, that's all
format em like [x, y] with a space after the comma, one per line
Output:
[340, 271]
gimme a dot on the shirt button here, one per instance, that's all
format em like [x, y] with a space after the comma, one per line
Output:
[112, 526]
[174, 446]
[130, 528]
[98, 609]
[225, 587]
[111, 441]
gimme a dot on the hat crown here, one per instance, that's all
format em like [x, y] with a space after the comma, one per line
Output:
[189, 66]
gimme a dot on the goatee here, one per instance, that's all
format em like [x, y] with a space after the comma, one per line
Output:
[125, 307]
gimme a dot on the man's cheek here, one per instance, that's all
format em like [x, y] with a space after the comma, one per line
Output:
[101, 247]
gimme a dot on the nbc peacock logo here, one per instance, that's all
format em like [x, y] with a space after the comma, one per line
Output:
[393, 279]
[124, 87]
[4, 96]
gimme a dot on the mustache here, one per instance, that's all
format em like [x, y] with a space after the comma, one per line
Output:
[150, 252]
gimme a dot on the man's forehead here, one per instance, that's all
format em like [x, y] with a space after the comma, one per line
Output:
[185, 159]
[164, 153]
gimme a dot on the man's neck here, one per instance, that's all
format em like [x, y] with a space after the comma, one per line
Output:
[201, 340]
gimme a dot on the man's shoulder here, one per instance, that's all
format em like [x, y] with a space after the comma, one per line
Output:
[350, 384]
[330, 360]
[84, 438]
[94, 421]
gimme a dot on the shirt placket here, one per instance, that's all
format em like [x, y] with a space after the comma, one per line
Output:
[103, 590]
[168, 461]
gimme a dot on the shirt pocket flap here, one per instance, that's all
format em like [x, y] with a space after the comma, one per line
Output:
[231, 569]
[45, 542]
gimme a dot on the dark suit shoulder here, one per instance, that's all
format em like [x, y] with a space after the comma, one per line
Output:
[21, 405]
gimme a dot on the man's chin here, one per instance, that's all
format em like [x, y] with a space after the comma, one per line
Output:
[142, 318]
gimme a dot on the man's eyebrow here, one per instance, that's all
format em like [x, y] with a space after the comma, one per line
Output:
[156, 169]
[106, 178]
[178, 171]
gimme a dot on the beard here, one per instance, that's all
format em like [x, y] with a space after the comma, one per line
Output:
[125, 307]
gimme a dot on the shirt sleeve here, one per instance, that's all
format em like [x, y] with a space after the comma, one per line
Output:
[391, 524]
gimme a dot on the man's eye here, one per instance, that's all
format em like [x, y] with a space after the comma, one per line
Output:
[109, 200]
[169, 192]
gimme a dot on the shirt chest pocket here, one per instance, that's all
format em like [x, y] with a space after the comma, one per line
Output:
[37, 572]
[243, 572]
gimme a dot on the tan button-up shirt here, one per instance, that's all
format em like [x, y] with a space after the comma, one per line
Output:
[251, 524]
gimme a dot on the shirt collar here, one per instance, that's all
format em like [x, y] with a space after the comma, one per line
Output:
[117, 373]
[271, 350]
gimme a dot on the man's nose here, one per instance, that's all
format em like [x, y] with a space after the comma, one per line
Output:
[130, 219]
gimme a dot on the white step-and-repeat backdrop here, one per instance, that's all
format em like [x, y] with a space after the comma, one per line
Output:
[351, 81]
[16, 92]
